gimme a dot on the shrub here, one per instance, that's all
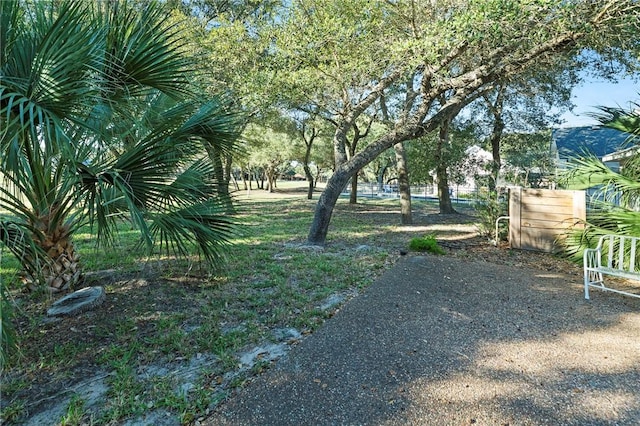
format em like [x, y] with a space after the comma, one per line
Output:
[489, 207]
[427, 243]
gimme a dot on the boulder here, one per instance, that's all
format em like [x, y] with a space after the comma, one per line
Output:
[77, 302]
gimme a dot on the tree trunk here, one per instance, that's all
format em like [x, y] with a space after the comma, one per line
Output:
[403, 184]
[308, 142]
[326, 203]
[62, 272]
[381, 171]
[357, 135]
[340, 178]
[339, 145]
[444, 197]
[228, 176]
[234, 178]
[496, 136]
[496, 108]
[353, 196]
[310, 181]
[244, 180]
[271, 180]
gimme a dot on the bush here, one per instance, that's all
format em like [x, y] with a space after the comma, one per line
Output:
[489, 207]
[427, 243]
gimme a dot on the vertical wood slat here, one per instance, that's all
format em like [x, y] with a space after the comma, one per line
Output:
[515, 206]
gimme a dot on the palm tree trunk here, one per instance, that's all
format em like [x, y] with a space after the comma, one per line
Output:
[62, 270]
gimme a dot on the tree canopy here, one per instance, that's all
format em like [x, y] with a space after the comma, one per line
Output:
[412, 55]
[413, 64]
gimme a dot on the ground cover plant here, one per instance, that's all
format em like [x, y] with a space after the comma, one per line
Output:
[427, 243]
[173, 338]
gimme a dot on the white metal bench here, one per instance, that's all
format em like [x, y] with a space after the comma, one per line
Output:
[615, 255]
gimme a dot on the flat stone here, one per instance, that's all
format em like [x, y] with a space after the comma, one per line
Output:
[286, 334]
[332, 301]
[268, 352]
[77, 302]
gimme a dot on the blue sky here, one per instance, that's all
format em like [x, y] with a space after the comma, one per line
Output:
[596, 92]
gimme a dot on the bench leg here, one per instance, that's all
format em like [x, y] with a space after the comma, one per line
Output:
[586, 291]
[587, 281]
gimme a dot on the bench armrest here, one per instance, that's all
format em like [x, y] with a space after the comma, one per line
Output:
[592, 257]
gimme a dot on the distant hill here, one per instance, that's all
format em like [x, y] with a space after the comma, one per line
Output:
[575, 141]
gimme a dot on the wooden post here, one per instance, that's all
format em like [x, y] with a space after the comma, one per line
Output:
[515, 204]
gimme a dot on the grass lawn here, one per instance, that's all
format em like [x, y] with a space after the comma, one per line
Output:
[175, 338]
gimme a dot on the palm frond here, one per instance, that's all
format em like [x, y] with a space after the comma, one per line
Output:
[613, 187]
[165, 170]
[51, 61]
[13, 201]
[204, 225]
[11, 14]
[98, 122]
[17, 237]
[195, 183]
[604, 219]
[217, 125]
[143, 52]
[627, 121]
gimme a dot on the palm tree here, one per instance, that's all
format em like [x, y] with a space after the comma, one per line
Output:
[616, 212]
[98, 124]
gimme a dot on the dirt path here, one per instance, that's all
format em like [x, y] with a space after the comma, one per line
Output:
[441, 341]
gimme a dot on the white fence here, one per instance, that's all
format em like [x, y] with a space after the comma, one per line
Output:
[374, 190]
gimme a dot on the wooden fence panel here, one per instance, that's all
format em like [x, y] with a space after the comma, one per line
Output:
[538, 218]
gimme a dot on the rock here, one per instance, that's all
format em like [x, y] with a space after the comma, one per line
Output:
[281, 334]
[78, 302]
[332, 301]
[266, 353]
[282, 256]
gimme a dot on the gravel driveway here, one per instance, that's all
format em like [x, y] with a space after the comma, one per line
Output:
[446, 341]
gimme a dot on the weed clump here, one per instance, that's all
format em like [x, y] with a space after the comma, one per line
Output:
[427, 244]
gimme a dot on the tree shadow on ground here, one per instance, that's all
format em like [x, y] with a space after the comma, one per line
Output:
[441, 341]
